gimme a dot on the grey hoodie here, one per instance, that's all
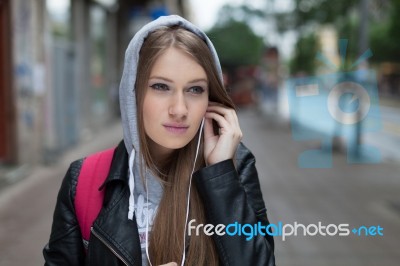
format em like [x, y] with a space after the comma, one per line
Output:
[130, 129]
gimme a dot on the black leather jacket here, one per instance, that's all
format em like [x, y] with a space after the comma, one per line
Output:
[229, 196]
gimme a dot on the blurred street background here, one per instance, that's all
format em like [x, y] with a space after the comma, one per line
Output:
[325, 153]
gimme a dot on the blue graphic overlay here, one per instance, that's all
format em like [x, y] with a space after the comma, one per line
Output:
[341, 104]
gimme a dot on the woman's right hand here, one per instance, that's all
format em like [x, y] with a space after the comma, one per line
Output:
[170, 264]
[222, 146]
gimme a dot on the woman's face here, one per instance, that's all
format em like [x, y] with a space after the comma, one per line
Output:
[175, 101]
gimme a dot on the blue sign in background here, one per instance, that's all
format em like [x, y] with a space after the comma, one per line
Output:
[334, 105]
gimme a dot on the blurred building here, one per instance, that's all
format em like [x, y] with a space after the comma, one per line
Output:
[61, 61]
[328, 44]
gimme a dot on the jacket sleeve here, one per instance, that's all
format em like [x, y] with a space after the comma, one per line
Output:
[65, 246]
[233, 196]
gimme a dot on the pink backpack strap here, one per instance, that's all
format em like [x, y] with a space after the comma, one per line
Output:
[88, 198]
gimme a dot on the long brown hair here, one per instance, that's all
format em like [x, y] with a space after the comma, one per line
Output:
[166, 239]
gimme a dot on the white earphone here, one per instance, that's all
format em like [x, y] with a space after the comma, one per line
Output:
[187, 204]
[190, 185]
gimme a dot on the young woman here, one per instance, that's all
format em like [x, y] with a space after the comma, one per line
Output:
[179, 125]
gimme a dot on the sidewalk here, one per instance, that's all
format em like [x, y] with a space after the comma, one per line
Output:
[11, 175]
[26, 207]
[390, 101]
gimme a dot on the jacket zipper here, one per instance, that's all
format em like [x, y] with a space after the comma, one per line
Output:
[109, 247]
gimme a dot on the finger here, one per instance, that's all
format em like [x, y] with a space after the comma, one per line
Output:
[229, 114]
[223, 110]
[215, 103]
[208, 128]
[221, 121]
[230, 117]
[219, 108]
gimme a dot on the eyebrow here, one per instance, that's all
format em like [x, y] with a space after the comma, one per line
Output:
[168, 80]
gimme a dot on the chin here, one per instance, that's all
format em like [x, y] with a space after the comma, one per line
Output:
[174, 146]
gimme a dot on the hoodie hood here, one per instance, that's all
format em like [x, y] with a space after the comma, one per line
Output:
[127, 86]
[128, 107]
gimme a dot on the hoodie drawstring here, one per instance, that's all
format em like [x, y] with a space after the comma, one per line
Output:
[132, 198]
[131, 186]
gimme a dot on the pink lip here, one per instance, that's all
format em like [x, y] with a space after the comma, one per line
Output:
[176, 128]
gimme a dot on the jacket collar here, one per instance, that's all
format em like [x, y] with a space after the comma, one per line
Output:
[119, 165]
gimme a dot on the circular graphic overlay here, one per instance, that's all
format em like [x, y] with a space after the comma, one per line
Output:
[358, 93]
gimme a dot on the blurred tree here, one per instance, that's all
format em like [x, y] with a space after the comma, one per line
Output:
[384, 37]
[235, 41]
[304, 59]
[307, 15]
[242, 13]
[309, 12]
[383, 19]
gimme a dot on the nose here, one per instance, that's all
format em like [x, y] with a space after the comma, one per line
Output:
[178, 106]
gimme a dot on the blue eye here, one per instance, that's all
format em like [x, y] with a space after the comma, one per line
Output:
[196, 90]
[160, 87]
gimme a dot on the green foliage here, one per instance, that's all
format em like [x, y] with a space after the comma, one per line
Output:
[233, 38]
[383, 23]
[348, 28]
[305, 17]
[385, 37]
[242, 13]
[236, 43]
[60, 31]
[304, 60]
[308, 12]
